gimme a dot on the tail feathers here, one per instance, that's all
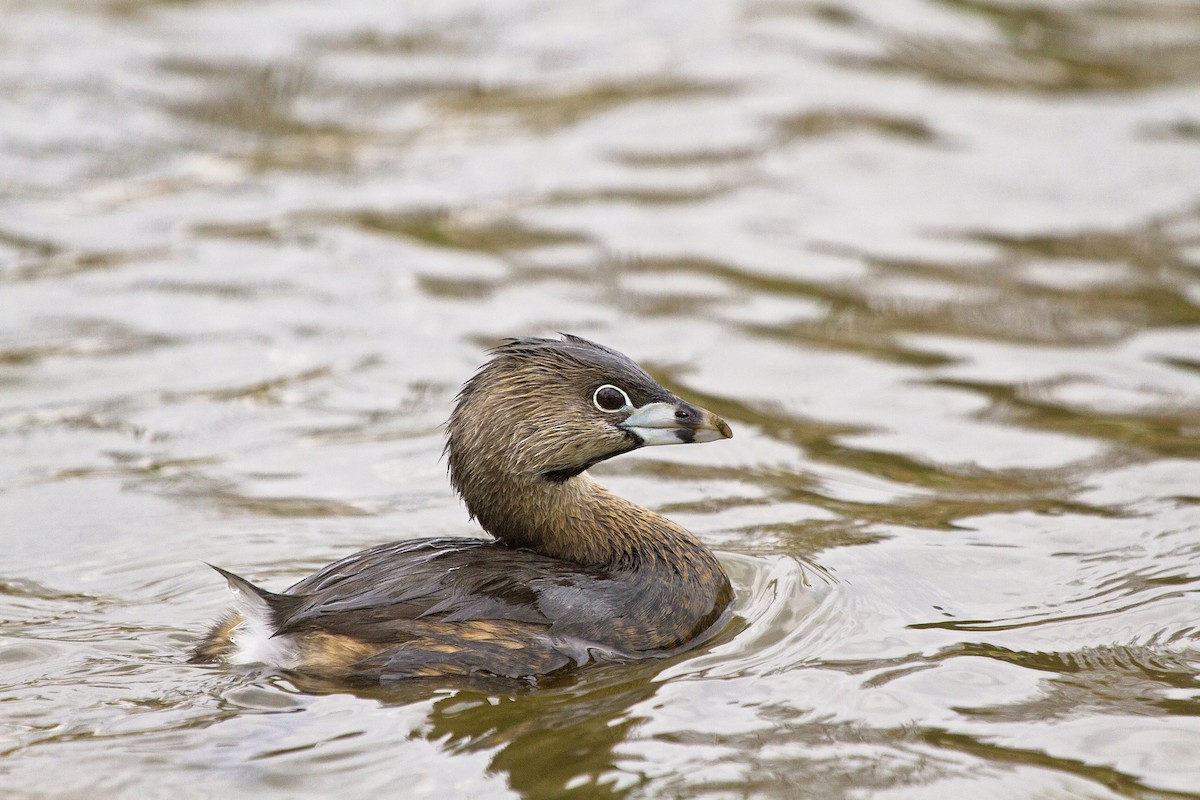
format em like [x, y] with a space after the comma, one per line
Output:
[250, 635]
[266, 609]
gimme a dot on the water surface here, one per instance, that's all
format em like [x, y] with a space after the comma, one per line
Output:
[938, 264]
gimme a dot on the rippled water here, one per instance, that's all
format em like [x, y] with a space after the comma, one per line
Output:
[938, 263]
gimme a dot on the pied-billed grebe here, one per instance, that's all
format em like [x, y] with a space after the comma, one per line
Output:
[575, 573]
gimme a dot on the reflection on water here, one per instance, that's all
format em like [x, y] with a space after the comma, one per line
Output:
[937, 262]
[1075, 48]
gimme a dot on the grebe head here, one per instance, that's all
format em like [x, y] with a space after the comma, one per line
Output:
[549, 409]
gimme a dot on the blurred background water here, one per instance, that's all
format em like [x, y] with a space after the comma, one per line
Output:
[936, 261]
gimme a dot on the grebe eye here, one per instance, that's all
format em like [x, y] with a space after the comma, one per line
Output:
[609, 398]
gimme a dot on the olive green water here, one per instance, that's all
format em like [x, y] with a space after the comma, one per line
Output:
[937, 263]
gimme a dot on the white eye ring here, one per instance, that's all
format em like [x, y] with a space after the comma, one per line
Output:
[596, 399]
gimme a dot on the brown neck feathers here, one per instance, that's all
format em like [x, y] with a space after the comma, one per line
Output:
[576, 520]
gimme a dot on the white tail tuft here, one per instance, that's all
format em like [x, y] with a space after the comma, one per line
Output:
[254, 640]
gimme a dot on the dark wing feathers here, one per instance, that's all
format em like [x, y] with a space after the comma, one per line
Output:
[395, 592]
